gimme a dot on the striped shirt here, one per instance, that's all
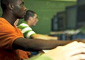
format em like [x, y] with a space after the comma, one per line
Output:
[26, 30]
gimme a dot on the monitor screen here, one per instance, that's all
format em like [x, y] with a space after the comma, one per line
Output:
[71, 15]
[58, 22]
[80, 2]
[54, 26]
[61, 21]
[81, 16]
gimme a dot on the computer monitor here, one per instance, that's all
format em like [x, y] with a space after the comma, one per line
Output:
[71, 17]
[54, 26]
[58, 22]
[81, 13]
[61, 20]
[80, 2]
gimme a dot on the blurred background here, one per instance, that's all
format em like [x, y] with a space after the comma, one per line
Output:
[66, 16]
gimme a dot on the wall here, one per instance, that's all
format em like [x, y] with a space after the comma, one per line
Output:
[46, 10]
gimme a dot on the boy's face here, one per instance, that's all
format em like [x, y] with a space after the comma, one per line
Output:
[34, 20]
[19, 9]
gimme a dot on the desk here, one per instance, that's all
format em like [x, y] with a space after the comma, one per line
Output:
[68, 35]
[60, 34]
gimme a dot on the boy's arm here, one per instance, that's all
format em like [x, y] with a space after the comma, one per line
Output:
[44, 37]
[34, 44]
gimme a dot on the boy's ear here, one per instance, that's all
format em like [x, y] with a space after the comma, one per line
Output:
[11, 6]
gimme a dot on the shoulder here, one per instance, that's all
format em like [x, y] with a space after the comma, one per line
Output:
[5, 25]
[24, 26]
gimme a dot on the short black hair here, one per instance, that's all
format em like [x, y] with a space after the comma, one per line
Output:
[29, 13]
[5, 3]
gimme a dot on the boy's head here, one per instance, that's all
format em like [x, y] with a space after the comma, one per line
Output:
[31, 18]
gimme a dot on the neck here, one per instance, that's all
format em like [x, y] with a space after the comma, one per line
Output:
[9, 17]
[28, 23]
